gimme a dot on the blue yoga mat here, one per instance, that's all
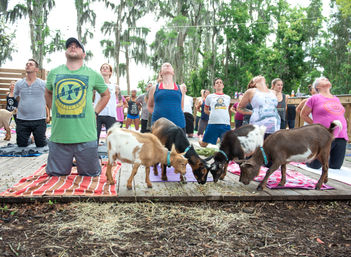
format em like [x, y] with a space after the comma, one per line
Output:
[12, 150]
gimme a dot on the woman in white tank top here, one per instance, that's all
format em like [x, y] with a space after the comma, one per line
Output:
[264, 102]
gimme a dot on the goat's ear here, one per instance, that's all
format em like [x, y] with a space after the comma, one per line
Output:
[208, 158]
[239, 161]
[245, 164]
[173, 150]
[263, 129]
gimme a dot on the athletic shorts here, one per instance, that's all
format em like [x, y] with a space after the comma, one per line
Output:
[61, 157]
[213, 132]
[132, 117]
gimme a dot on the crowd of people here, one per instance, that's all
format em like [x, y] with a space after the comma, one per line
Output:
[83, 101]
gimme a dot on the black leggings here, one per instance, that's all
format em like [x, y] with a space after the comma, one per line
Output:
[108, 121]
[337, 155]
[144, 128]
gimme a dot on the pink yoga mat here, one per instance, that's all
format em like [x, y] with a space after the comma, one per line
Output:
[294, 179]
[173, 177]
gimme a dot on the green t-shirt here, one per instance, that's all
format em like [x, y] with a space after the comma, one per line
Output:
[73, 116]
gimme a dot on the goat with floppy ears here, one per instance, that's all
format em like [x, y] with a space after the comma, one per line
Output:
[236, 145]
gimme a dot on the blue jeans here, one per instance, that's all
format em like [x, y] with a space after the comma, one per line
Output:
[291, 124]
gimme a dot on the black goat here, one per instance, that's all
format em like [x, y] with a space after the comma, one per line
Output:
[170, 134]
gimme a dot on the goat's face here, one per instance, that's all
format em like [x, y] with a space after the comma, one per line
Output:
[200, 170]
[248, 171]
[178, 161]
[217, 168]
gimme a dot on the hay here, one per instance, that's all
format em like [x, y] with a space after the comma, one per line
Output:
[114, 221]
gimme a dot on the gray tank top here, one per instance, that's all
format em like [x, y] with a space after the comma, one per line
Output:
[281, 107]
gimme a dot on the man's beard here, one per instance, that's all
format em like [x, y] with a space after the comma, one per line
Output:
[74, 57]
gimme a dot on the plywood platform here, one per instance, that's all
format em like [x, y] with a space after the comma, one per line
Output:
[227, 190]
[12, 169]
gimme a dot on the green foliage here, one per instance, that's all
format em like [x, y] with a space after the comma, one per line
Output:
[203, 39]
[335, 53]
[43, 40]
[345, 7]
[6, 38]
[142, 86]
[206, 151]
[7, 209]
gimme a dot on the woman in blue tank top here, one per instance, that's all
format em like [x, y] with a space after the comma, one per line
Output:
[166, 98]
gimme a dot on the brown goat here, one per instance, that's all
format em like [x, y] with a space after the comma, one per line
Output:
[5, 117]
[140, 149]
[301, 144]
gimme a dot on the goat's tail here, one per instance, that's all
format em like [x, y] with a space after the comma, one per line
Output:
[334, 125]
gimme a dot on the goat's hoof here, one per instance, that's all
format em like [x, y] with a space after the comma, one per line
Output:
[164, 178]
[318, 187]
[259, 188]
[129, 187]
[325, 180]
[111, 182]
[155, 172]
[281, 184]
[149, 186]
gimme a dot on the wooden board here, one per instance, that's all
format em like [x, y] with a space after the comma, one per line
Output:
[230, 189]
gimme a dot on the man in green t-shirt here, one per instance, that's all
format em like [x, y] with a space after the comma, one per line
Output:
[69, 93]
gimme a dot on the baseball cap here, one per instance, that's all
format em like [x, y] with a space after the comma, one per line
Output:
[71, 40]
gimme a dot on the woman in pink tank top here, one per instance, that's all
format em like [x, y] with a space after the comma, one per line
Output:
[326, 108]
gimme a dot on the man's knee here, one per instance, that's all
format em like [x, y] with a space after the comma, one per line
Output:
[93, 173]
[57, 174]
[23, 141]
[40, 142]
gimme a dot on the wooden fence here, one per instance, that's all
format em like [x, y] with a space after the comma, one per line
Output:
[8, 75]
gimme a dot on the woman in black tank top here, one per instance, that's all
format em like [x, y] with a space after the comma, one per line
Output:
[277, 86]
[133, 111]
[11, 102]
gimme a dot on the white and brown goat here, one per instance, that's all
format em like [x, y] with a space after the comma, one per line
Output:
[236, 145]
[299, 145]
[5, 117]
[140, 149]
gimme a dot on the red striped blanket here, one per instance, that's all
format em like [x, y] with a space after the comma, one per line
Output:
[40, 184]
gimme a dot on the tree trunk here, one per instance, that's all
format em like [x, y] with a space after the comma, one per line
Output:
[214, 32]
[79, 25]
[31, 28]
[37, 22]
[127, 69]
[118, 32]
[179, 73]
[227, 54]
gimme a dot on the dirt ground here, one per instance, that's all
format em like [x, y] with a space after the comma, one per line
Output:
[176, 229]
